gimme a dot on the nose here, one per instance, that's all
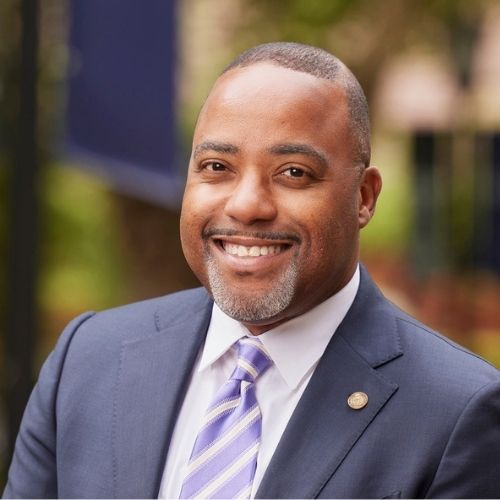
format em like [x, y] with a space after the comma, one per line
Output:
[251, 200]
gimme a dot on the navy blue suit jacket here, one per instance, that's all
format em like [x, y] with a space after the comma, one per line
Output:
[101, 416]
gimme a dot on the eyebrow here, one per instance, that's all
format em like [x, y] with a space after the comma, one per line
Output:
[217, 147]
[302, 149]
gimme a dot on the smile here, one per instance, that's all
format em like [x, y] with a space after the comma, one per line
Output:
[251, 251]
[256, 254]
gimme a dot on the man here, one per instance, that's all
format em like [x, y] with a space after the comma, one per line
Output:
[347, 396]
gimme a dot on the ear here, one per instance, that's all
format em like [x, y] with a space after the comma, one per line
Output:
[369, 189]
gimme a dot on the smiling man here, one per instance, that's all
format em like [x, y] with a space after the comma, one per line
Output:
[276, 193]
[288, 375]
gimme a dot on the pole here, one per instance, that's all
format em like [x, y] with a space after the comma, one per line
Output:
[21, 273]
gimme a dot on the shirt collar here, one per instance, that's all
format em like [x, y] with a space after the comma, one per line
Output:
[295, 346]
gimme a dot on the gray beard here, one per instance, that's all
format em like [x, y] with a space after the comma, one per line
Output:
[248, 310]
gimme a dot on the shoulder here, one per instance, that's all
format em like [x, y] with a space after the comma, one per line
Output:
[105, 331]
[438, 378]
[90, 350]
[152, 314]
[419, 356]
[456, 368]
[453, 395]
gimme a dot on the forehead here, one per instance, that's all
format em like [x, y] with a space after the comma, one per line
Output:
[264, 101]
[267, 79]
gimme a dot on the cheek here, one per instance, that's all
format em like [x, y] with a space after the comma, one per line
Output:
[332, 232]
[195, 205]
[191, 226]
[201, 201]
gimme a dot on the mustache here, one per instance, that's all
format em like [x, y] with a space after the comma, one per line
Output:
[263, 235]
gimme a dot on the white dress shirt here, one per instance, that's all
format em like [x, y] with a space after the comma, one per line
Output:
[295, 348]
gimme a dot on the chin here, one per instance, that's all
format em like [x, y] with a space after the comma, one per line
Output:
[253, 307]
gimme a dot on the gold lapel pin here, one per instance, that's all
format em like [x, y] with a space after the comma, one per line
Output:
[357, 400]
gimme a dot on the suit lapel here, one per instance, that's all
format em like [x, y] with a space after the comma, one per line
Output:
[323, 427]
[154, 372]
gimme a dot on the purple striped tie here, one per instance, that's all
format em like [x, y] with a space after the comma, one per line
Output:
[224, 457]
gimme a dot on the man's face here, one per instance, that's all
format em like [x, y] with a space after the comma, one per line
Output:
[273, 201]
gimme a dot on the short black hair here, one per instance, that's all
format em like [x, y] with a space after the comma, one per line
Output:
[321, 64]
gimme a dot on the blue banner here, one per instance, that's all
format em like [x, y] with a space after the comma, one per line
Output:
[121, 98]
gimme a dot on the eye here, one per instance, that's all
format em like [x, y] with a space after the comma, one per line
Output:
[294, 172]
[214, 166]
[297, 176]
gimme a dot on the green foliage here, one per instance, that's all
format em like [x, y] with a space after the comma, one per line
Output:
[391, 227]
[308, 21]
[80, 254]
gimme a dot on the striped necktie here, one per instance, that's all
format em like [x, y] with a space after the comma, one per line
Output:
[224, 457]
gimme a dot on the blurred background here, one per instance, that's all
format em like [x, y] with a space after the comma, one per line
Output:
[98, 101]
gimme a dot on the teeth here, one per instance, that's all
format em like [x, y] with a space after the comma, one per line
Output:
[253, 251]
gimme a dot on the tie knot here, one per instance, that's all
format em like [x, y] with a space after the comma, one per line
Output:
[253, 359]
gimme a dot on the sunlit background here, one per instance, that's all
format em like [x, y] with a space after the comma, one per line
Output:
[431, 72]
